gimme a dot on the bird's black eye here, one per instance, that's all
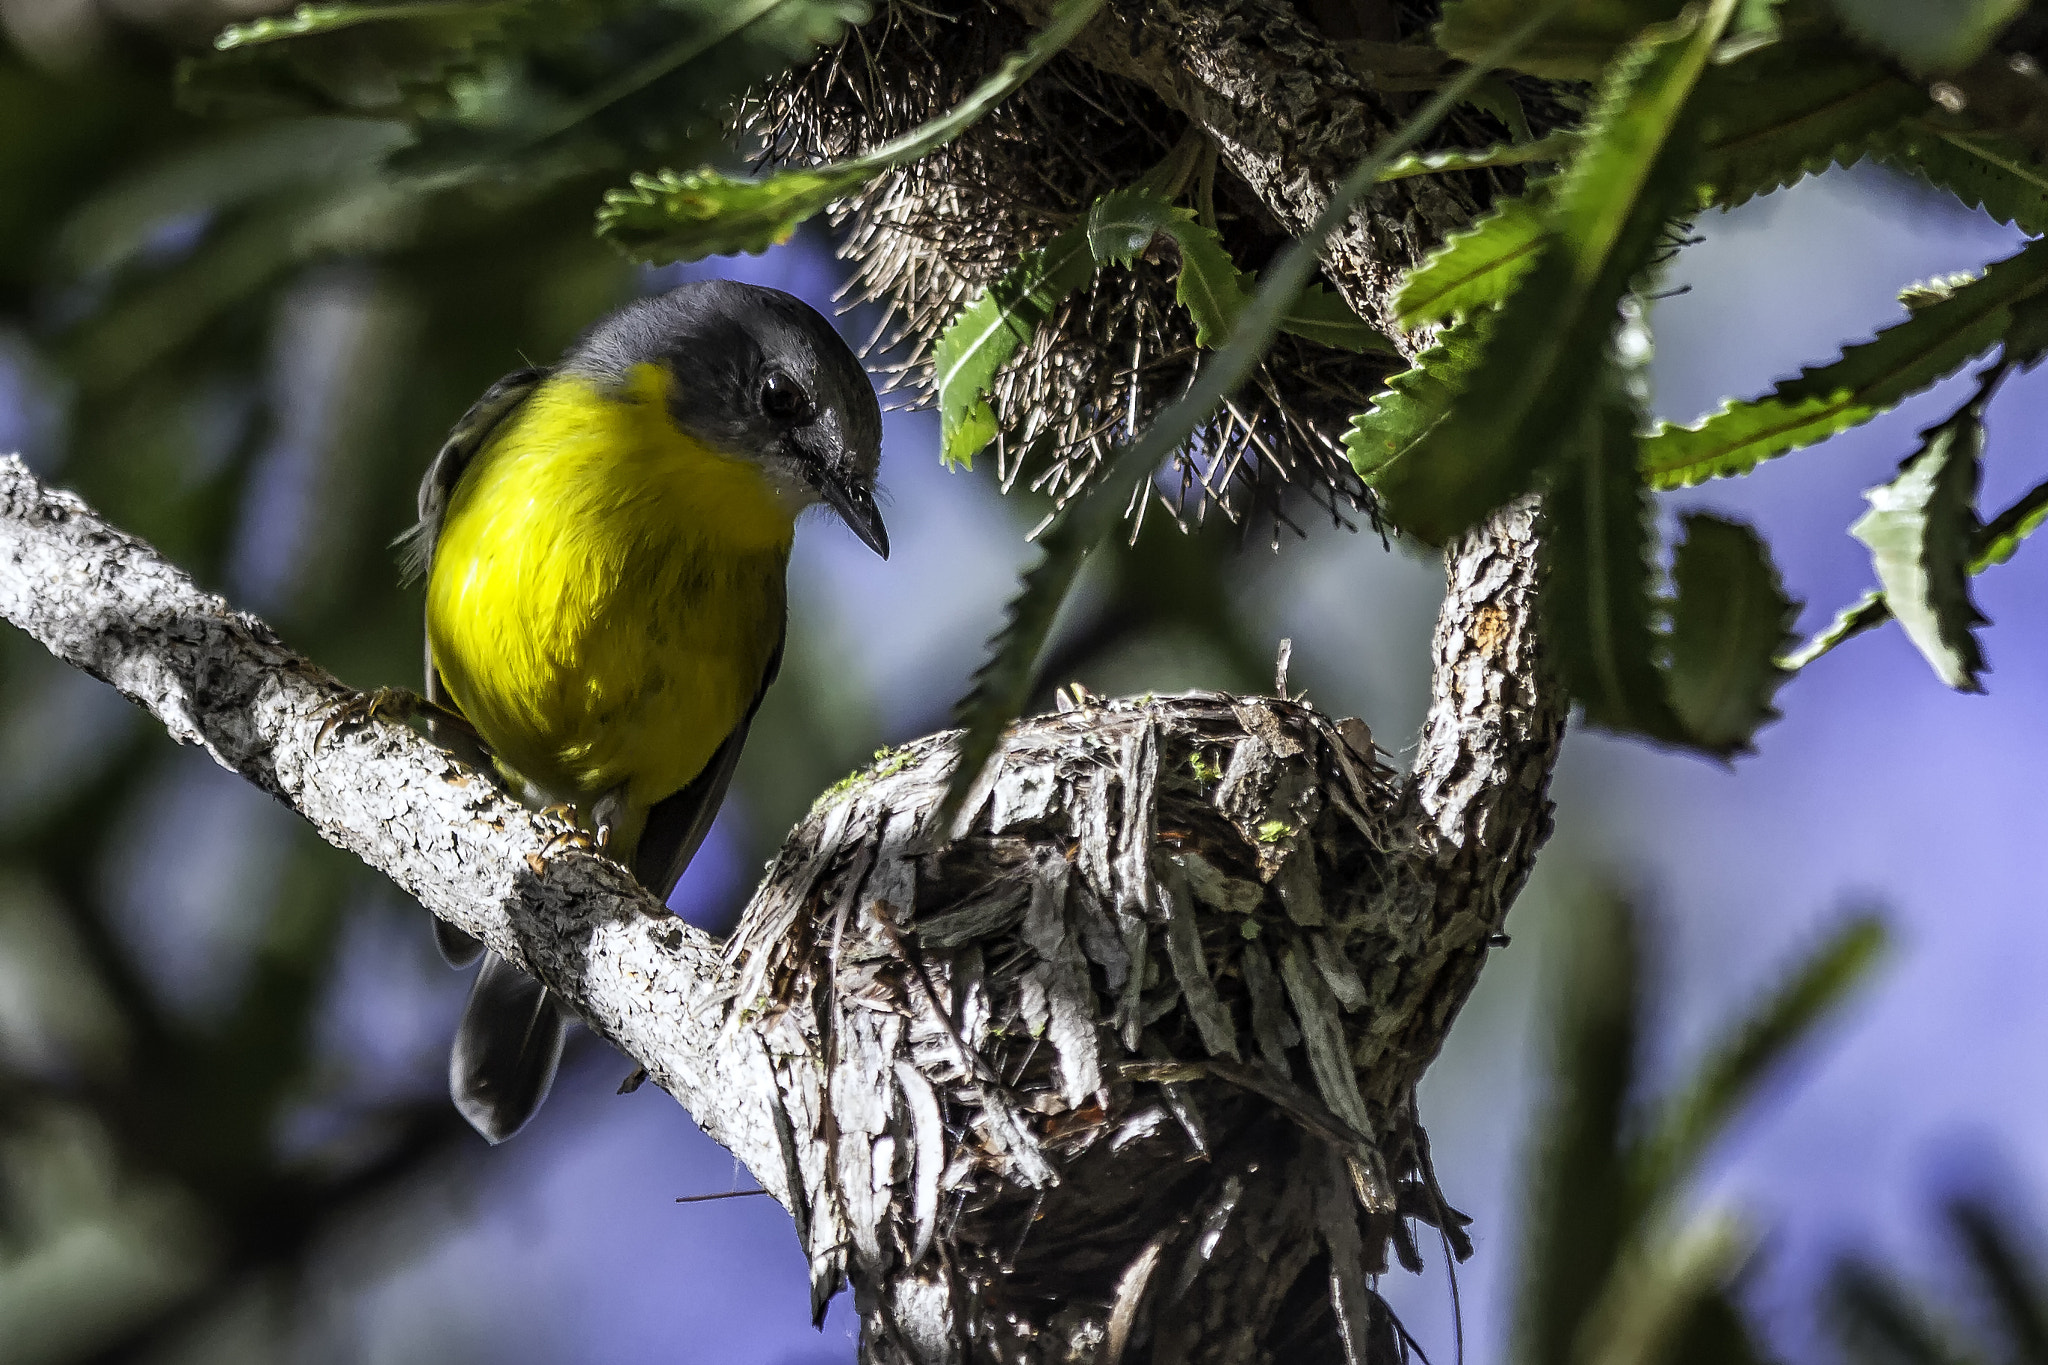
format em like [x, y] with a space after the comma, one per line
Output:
[783, 399]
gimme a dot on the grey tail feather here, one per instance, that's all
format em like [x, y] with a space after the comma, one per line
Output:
[458, 949]
[415, 546]
[506, 1050]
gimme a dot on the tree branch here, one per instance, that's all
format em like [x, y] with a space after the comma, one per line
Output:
[218, 678]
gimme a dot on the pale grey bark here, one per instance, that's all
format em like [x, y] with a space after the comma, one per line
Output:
[218, 678]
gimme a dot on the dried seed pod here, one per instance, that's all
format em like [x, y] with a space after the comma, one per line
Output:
[928, 238]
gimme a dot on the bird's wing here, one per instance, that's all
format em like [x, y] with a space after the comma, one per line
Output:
[417, 556]
[416, 547]
[676, 825]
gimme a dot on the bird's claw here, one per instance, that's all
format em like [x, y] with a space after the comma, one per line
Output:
[398, 704]
[575, 836]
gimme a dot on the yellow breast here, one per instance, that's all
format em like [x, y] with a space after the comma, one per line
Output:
[606, 592]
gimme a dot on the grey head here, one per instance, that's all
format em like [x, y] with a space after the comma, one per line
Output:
[758, 374]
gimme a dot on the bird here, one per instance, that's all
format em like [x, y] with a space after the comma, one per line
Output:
[604, 544]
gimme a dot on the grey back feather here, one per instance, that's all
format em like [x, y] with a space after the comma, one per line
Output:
[416, 546]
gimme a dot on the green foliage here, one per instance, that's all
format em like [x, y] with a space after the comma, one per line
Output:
[517, 92]
[1734, 1067]
[1003, 683]
[1547, 356]
[1479, 267]
[2003, 534]
[1416, 399]
[1935, 342]
[1922, 531]
[1577, 45]
[1928, 38]
[992, 329]
[1123, 225]
[384, 61]
[671, 216]
[1616, 1268]
[1321, 315]
[1792, 108]
[1598, 613]
[1730, 621]
[1984, 171]
[1577, 1221]
[1552, 147]
[1878, 1319]
[686, 217]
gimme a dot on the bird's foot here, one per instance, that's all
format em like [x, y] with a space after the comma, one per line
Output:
[575, 836]
[398, 704]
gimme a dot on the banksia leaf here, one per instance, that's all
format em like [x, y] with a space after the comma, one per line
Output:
[388, 60]
[1922, 530]
[1319, 315]
[686, 217]
[1984, 171]
[1729, 623]
[1935, 342]
[1416, 399]
[1795, 108]
[1547, 356]
[670, 216]
[1575, 45]
[1553, 147]
[2003, 533]
[1598, 604]
[1478, 267]
[982, 339]
[1736, 1065]
[1211, 287]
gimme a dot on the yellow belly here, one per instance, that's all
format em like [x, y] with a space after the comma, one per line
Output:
[606, 593]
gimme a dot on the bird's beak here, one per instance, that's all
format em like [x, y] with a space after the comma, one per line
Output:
[856, 507]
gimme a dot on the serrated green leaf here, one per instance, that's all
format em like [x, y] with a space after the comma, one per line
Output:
[1494, 96]
[686, 216]
[1598, 603]
[1868, 379]
[991, 330]
[1996, 542]
[1730, 621]
[1002, 684]
[1728, 1077]
[1122, 224]
[1577, 46]
[1321, 315]
[1554, 147]
[1921, 531]
[1416, 399]
[1929, 38]
[1984, 171]
[389, 61]
[669, 217]
[1794, 108]
[1549, 350]
[2003, 533]
[1480, 266]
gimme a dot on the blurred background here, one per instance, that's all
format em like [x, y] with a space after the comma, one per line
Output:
[224, 1134]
